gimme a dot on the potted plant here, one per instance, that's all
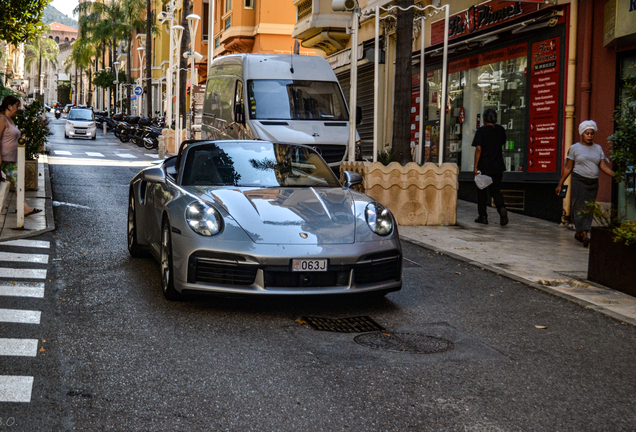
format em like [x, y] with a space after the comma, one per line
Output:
[35, 131]
[613, 247]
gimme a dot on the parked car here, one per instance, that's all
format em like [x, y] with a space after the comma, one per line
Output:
[67, 107]
[258, 218]
[80, 122]
[47, 108]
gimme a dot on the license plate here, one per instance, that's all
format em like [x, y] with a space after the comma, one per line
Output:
[80, 132]
[309, 265]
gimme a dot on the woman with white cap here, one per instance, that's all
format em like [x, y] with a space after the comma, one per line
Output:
[584, 161]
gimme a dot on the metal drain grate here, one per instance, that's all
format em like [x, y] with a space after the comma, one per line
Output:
[342, 325]
[404, 342]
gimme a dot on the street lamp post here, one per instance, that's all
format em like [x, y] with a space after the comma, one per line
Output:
[108, 99]
[141, 51]
[193, 23]
[116, 64]
[178, 33]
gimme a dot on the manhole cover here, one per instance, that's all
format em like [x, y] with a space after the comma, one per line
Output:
[404, 342]
[342, 325]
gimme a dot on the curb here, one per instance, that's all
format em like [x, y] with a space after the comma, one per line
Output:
[546, 289]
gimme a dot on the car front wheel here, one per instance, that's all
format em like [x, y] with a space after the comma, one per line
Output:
[134, 248]
[167, 275]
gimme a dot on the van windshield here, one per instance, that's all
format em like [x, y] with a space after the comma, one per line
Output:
[295, 100]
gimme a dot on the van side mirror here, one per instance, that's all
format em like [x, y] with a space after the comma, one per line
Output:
[358, 115]
[351, 178]
[239, 114]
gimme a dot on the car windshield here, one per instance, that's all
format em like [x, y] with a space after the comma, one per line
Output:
[81, 114]
[295, 100]
[260, 164]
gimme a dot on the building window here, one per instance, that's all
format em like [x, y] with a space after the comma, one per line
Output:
[65, 39]
[57, 39]
[206, 19]
[217, 42]
[228, 22]
[497, 85]
[228, 5]
[248, 4]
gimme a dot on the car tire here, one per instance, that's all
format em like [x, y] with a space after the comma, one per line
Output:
[167, 274]
[134, 248]
[94, 137]
[65, 136]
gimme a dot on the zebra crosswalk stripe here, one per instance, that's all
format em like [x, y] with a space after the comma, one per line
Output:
[19, 316]
[19, 289]
[25, 258]
[27, 243]
[18, 347]
[22, 273]
[15, 388]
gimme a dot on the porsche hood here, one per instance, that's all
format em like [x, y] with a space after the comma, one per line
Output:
[290, 215]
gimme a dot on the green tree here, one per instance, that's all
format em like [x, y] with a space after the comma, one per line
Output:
[80, 57]
[21, 19]
[133, 22]
[623, 154]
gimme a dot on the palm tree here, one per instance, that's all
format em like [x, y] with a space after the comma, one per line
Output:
[99, 23]
[133, 21]
[80, 57]
[402, 103]
[41, 48]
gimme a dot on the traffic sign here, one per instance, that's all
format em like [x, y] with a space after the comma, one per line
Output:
[138, 91]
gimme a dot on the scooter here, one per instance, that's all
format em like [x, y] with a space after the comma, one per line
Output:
[58, 112]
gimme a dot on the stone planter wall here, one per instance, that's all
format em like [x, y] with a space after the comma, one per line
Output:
[416, 195]
[610, 263]
[169, 135]
[31, 175]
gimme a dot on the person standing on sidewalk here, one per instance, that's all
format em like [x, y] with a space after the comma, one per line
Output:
[9, 136]
[584, 161]
[488, 142]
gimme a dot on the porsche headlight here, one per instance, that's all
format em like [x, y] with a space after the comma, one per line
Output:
[202, 219]
[379, 219]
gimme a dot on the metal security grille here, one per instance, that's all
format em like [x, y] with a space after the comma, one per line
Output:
[359, 324]
[514, 199]
[364, 101]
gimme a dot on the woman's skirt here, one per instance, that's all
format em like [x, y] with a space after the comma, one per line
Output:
[584, 190]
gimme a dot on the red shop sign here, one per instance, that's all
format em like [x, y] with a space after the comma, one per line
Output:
[479, 18]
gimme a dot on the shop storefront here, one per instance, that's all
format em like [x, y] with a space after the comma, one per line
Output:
[511, 57]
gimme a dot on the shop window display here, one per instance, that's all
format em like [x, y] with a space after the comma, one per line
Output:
[475, 84]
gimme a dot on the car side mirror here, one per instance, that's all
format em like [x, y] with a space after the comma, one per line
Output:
[239, 116]
[358, 115]
[155, 175]
[351, 179]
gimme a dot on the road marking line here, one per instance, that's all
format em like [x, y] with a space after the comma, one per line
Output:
[15, 388]
[22, 290]
[152, 155]
[62, 152]
[27, 243]
[18, 257]
[126, 155]
[93, 154]
[18, 347]
[11, 273]
[20, 316]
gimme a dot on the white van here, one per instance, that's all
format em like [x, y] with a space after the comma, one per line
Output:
[277, 97]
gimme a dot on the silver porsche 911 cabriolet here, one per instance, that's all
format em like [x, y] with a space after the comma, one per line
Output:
[253, 217]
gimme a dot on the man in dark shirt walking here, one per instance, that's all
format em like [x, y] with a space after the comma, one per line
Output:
[488, 142]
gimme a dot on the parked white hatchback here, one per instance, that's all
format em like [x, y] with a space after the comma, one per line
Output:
[80, 122]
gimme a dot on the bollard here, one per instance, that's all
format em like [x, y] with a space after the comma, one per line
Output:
[162, 146]
[19, 188]
[105, 128]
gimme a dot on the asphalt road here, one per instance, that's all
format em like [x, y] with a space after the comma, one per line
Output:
[119, 357]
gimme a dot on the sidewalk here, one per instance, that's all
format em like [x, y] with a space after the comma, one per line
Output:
[33, 225]
[532, 251]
